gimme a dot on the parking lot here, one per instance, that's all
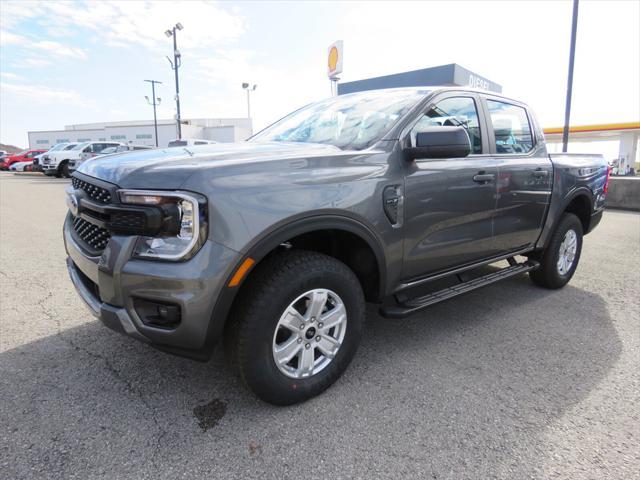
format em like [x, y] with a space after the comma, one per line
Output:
[511, 381]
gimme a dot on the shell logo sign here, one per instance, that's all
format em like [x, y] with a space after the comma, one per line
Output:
[334, 63]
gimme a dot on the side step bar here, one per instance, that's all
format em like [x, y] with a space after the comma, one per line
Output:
[407, 307]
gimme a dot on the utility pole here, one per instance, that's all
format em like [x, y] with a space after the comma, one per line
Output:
[249, 89]
[155, 102]
[572, 54]
[175, 65]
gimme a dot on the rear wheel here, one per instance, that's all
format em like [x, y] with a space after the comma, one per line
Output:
[297, 327]
[558, 262]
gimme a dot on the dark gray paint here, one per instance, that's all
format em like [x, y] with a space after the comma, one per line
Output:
[258, 193]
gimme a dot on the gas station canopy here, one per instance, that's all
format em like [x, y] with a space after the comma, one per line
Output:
[452, 75]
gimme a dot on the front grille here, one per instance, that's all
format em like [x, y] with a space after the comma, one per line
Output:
[97, 193]
[128, 220]
[92, 235]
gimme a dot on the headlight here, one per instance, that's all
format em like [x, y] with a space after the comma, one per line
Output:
[183, 237]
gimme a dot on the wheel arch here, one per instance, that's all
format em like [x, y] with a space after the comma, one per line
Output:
[581, 205]
[271, 241]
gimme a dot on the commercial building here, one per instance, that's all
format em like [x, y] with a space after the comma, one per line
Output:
[451, 75]
[143, 133]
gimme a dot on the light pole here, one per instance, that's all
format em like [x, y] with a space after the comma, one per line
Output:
[175, 65]
[572, 54]
[155, 101]
[249, 89]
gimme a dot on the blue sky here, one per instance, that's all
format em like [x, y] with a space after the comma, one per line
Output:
[77, 62]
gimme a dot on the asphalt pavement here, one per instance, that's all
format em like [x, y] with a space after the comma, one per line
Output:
[509, 382]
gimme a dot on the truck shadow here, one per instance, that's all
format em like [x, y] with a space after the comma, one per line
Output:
[474, 381]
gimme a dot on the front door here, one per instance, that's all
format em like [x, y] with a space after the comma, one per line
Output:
[449, 203]
[525, 175]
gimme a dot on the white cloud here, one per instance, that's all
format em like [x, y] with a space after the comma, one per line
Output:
[139, 22]
[10, 76]
[40, 94]
[32, 62]
[58, 50]
[9, 38]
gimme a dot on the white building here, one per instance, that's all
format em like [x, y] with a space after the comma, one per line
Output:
[142, 132]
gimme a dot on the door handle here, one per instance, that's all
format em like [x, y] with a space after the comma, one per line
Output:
[540, 173]
[484, 177]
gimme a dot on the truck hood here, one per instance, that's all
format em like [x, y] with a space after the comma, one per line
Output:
[169, 168]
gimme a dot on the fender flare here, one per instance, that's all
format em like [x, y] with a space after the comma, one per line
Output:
[554, 215]
[265, 244]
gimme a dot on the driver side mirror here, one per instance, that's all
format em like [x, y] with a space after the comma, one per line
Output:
[440, 142]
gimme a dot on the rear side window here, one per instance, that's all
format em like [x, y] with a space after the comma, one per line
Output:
[511, 127]
[453, 112]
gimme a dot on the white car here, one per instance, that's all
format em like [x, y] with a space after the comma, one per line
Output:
[57, 163]
[189, 142]
[20, 166]
[37, 160]
[73, 164]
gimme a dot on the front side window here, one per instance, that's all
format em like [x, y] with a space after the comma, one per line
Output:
[510, 127]
[353, 121]
[80, 146]
[453, 112]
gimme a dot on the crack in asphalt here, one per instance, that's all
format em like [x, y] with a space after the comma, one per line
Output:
[162, 432]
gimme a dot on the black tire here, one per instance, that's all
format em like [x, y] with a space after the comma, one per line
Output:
[275, 284]
[64, 170]
[548, 275]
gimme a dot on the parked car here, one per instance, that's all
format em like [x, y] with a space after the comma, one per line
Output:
[274, 245]
[125, 148]
[37, 160]
[73, 164]
[57, 163]
[25, 155]
[21, 166]
[189, 142]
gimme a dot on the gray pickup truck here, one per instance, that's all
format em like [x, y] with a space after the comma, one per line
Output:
[399, 197]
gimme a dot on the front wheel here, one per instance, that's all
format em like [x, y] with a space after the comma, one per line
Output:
[64, 170]
[559, 260]
[297, 327]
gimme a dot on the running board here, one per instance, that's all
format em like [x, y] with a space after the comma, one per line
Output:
[412, 305]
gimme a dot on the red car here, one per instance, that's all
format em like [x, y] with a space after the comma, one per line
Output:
[23, 156]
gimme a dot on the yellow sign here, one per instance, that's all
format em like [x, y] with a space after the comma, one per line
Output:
[334, 64]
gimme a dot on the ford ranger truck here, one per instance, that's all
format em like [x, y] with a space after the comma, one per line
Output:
[398, 197]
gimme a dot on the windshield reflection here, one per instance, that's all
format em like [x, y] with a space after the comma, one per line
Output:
[354, 121]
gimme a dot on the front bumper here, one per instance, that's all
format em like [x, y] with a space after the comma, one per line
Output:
[111, 283]
[49, 169]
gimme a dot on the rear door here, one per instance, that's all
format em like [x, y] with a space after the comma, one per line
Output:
[525, 174]
[449, 203]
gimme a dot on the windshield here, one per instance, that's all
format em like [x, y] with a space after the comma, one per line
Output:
[80, 146]
[58, 146]
[70, 146]
[354, 121]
